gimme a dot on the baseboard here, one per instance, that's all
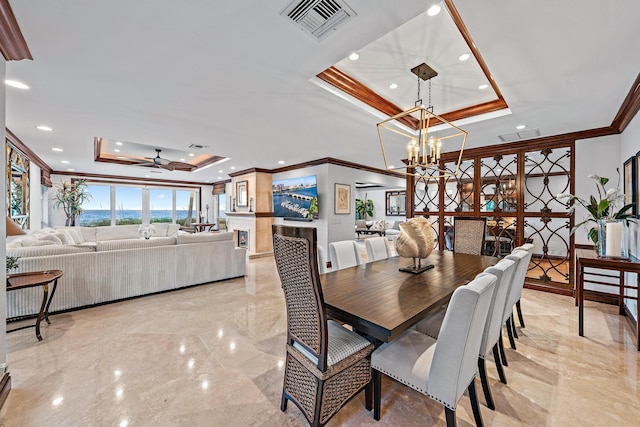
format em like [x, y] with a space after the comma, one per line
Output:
[549, 288]
[260, 255]
[5, 388]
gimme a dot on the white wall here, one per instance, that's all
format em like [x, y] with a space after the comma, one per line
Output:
[3, 181]
[629, 146]
[600, 156]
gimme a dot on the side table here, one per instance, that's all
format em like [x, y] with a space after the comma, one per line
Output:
[588, 259]
[30, 280]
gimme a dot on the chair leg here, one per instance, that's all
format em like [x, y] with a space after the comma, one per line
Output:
[283, 402]
[519, 310]
[450, 415]
[482, 367]
[477, 415]
[368, 396]
[503, 354]
[510, 332]
[513, 327]
[377, 391]
[496, 358]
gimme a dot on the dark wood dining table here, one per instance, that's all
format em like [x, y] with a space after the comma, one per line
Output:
[381, 302]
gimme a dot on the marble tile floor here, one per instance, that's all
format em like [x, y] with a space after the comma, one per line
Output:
[212, 355]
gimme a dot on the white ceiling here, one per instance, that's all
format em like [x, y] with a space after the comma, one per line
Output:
[237, 77]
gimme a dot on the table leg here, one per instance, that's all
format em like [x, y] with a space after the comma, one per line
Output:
[41, 313]
[580, 291]
[46, 310]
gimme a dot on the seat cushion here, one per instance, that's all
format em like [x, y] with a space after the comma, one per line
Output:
[342, 344]
[406, 359]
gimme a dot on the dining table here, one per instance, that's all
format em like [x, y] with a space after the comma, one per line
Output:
[381, 302]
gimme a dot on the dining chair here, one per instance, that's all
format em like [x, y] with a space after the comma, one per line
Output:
[326, 364]
[440, 369]
[526, 247]
[503, 271]
[376, 248]
[522, 257]
[468, 235]
[344, 254]
[322, 264]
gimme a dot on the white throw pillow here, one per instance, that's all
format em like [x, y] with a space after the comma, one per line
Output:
[65, 237]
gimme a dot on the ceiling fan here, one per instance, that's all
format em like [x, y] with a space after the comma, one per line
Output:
[160, 162]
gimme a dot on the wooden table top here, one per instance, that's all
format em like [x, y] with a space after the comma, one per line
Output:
[35, 278]
[589, 258]
[379, 300]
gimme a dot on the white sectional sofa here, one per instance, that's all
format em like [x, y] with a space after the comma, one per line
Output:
[103, 264]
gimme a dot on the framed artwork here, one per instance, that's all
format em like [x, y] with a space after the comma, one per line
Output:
[636, 185]
[396, 202]
[241, 194]
[342, 204]
[629, 183]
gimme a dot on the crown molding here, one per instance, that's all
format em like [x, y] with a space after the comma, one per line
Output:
[12, 43]
[629, 108]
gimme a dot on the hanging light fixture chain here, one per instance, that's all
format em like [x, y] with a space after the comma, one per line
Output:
[418, 99]
[430, 108]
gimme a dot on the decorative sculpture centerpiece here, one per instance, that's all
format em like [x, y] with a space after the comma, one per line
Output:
[415, 241]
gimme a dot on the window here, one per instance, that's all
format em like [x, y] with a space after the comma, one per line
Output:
[97, 212]
[122, 204]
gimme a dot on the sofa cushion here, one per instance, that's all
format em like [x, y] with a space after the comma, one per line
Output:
[117, 232]
[161, 229]
[204, 237]
[172, 230]
[64, 237]
[114, 245]
[54, 239]
[73, 232]
[48, 250]
[88, 234]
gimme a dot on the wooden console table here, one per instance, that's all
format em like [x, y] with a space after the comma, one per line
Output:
[586, 258]
[30, 280]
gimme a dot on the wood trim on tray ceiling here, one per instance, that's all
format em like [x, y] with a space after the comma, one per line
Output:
[12, 43]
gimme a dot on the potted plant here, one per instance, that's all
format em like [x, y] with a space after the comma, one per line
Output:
[70, 197]
[603, 208]
[12, 263]
[364, 208]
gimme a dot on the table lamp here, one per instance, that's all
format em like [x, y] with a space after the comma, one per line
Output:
[13, 229]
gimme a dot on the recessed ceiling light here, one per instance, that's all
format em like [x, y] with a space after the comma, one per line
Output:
[66, 162]
[208, 180]
[116, 151]
[281, 162]
[182, 160]
[57, 149]
[71, 170]
[118, 143]
[390, 167]
[218, 178]
[220, 171]
[433, 10]
[393, 85]
[191, 154]
[232, 168]
[16, 84]
[44, 128]
[521, 126]
[483, 86]
[464, 57]
[354, 56]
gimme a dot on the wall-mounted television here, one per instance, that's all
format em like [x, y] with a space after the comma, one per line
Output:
[295, 198]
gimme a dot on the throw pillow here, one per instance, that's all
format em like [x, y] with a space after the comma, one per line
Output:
[65, 237]
[378, 225]
[54, 238]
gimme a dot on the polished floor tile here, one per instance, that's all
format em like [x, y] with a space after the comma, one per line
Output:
[212, 355]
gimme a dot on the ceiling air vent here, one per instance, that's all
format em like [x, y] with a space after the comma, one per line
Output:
[517, 136]
[318, 18]
[198, 146]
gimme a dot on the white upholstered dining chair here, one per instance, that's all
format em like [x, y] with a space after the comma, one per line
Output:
[376, 248]
[529, 248]
[344, 254]
[503, 271]
[445, 368]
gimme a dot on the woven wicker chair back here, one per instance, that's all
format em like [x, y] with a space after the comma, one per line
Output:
[295, 253]
[468, 235]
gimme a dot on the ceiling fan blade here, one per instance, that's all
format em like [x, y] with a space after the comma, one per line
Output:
[165, 166]
[181, 165]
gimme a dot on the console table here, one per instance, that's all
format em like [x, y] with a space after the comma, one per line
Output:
[30, 280]
[587, 258]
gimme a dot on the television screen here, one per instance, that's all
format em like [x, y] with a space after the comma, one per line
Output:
[296, 198]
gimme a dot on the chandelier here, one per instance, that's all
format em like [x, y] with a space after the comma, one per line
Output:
[424, 135]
